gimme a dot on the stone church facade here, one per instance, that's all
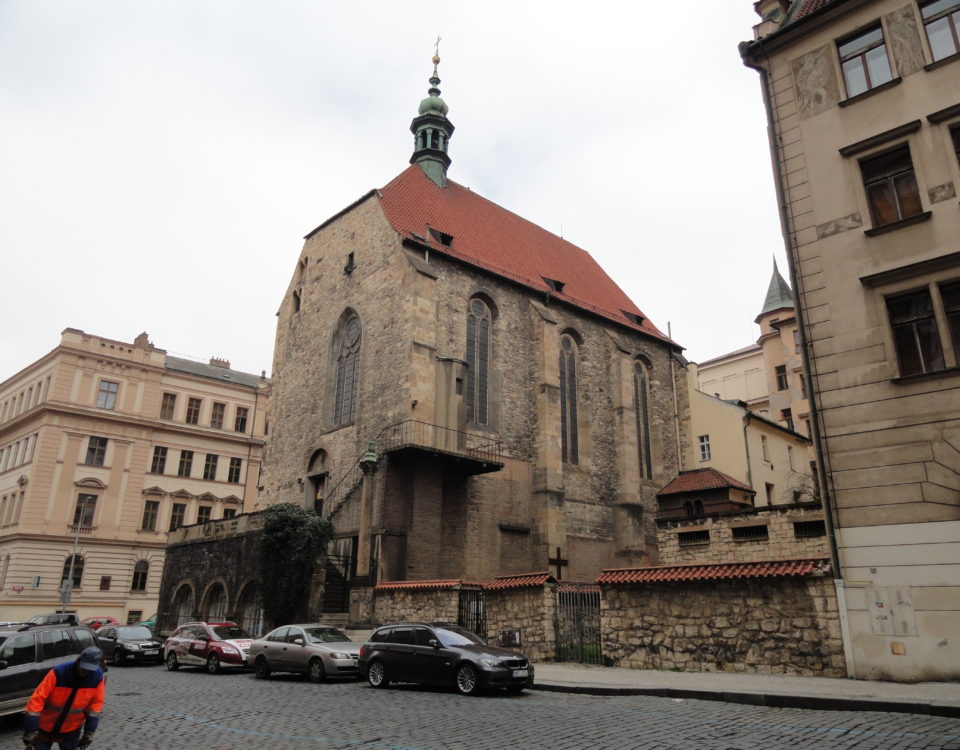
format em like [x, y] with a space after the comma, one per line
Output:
[465, 394]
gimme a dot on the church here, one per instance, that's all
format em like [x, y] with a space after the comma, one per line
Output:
[465, 394]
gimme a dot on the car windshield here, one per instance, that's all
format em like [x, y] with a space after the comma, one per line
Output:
[230, 632]
[458, 637]
[135, 631]
[325, 635]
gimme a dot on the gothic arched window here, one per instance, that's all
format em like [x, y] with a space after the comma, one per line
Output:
[478, 361]
[569, 439]
[641, 395]
[347, 373]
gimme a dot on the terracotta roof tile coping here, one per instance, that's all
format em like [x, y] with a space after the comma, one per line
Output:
[521, 581]
[448, 583]
[719, 571]
[698, 480]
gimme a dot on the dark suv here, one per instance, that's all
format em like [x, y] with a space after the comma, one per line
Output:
[28, 652]
[441, 655]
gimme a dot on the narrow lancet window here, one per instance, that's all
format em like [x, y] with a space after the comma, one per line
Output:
[478, 362]
[348, 362]
[569, 438]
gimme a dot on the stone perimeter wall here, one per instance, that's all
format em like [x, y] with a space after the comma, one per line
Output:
[532, 611]
[416, 605]
[767, 626]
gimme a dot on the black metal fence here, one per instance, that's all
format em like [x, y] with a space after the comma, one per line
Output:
[336, 588]
[578, 623]
[471, 612]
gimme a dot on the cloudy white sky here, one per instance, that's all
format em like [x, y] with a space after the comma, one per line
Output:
[160, 162]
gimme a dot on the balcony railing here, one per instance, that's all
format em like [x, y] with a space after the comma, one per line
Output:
[81, 529]
[423, 435]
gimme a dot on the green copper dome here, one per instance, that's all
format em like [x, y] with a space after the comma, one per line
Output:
[434, 103]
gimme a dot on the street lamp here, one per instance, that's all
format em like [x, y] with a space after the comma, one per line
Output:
[66, 588]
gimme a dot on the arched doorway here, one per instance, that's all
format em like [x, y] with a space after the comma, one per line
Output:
[215, 605]
[183, 604]
[250, 609]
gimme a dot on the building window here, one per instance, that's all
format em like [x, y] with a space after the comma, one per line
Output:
[140, 572]
[808, 529]
[83, 512]
[941, 18]
[478, 361]
[790, 458]
[96, 451]
[786, 416]
[177, 515]
[210, 466]
[107, 396]
[749, 533]
[159, 462]
[73, 570]
[216, 415]
[569, 433]
[641, 397]
[915, 334]
[240, 423]
[803, 385]
[193, 411]
[685, 538]
[864, 61]
[134, 616]
[168, 405]
[348, 363]
[782, 382]
[229, 513]
[233, 473]
[764, 447]
[950, 294]
[203, 513]
[704, 443]
[186, 464]
[769, 491]
[150, 510]
[892, 192]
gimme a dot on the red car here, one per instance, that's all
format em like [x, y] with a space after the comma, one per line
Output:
[214, 645]
[95, 623]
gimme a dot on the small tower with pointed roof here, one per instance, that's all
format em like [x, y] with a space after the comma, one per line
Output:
[432, 132]
[779, 295]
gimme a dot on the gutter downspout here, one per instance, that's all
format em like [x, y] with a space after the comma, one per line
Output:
[746, 447]
[676, 410]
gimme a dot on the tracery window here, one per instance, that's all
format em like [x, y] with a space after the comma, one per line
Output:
[569, 438]
[641, 393]
[348, 361]
[478, 362]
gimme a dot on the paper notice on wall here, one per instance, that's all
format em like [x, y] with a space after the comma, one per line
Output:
[891, 611]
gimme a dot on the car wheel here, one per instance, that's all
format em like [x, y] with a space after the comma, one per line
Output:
[468, 681]
[213, 664]
[261, 669]
[377, 674]
[315, 670]
[172, 664]
[119, 657]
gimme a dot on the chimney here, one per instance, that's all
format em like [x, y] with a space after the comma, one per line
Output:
[772, 13]
[142, 341]
[217, 362]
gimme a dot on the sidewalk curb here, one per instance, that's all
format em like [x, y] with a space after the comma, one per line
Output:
[771, 700]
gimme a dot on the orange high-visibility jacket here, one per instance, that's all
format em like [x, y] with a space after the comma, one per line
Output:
[46, 706]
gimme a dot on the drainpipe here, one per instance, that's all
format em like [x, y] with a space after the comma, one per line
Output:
[746, 447]
[801, 324]
[676, 410]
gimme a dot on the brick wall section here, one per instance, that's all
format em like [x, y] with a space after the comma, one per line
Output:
[781, 542]
[532, 611]
[785, 626]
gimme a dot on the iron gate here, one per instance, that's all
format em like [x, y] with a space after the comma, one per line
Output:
[578, 623]
[336, 587]
[471, 613]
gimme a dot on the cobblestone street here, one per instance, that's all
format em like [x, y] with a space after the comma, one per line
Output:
[149, 707]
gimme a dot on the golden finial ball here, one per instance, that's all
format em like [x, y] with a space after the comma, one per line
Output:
[436, 59]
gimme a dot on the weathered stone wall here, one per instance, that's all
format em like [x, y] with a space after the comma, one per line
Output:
[762, 626]
[415, 605]
[532, 611]
[781, 541]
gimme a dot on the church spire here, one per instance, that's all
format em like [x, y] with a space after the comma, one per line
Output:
[432, 131]
[779, 296]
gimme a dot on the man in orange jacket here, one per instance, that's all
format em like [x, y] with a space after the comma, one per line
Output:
[65, 707]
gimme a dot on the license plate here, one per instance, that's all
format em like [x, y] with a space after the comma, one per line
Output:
[520, 673]
[152, 652]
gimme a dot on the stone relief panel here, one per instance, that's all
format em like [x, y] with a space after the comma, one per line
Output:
[905, 41]
[836, 226]
[815, 79]
[941, 192]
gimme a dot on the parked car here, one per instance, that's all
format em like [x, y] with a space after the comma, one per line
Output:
[214, 645]
[55, 618]
[315, 649]
[29, 651]
[150, 622]
[441, 655]
[121, 643]
[95, 623]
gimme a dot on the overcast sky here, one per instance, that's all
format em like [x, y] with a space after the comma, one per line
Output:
[160, 162]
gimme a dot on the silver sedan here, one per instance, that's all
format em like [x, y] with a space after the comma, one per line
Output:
[314, 649]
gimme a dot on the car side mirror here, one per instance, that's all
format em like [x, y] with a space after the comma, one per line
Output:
[433, 642]
[298, 640]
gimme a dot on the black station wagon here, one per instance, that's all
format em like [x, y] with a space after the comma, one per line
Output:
[441, 655]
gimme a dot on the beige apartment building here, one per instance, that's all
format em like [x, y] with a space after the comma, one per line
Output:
[863, 100]
[105, 446]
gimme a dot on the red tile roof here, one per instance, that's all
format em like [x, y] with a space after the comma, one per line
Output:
[520, 581]
[699, 480]
[490, 237]
[720, 571]
[806, 7]
[440, 584]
